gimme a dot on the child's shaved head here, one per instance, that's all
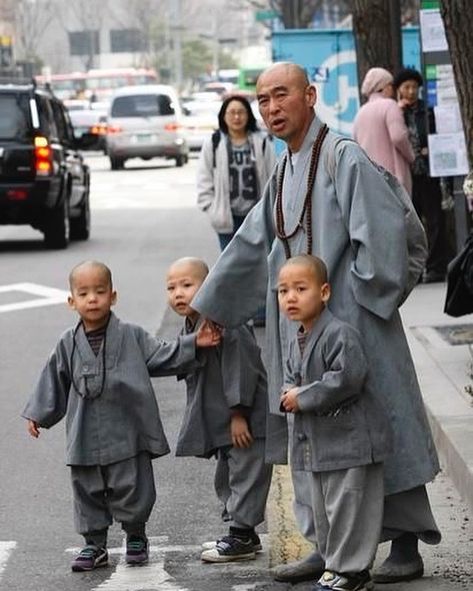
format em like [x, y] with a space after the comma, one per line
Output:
[197, 266]
[311, 262]
[88, 265]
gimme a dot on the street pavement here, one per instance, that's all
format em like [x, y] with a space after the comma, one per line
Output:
[143, 218]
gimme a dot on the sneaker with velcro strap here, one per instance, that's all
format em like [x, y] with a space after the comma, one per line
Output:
[230, 549]
[257, 545]
[89, 558]
[332, 581]
[137, 551]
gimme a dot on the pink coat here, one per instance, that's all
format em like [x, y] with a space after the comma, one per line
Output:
[380, 130]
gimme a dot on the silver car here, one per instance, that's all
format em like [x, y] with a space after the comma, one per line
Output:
[145, 122]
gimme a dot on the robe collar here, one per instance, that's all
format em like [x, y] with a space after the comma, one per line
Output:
[314, 335]
[113, 342]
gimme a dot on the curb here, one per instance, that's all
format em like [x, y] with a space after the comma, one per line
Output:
[286, 544]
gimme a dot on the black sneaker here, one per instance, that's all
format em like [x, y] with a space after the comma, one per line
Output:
[331, 581]
[136, 550]
[90, 557]
[230, 549]
[257, 545]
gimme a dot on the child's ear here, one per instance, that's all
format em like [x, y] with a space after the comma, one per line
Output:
[326, 292]
[71, 303]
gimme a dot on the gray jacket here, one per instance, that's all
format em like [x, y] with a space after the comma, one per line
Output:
[104, 427]
[232, 375]
[213, 182]
[340, 425]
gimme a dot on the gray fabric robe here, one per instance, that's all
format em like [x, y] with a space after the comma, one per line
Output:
[359, 230]
[232, 375]
[124, 419]
[338, 425]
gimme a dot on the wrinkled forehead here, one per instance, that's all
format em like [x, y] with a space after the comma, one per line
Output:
[284, 76]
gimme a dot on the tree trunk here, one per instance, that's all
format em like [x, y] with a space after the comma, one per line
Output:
[296, 14]
[377, 31]
[456, 15]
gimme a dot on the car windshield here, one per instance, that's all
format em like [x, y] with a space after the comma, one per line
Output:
[142, 105]
[13, 116]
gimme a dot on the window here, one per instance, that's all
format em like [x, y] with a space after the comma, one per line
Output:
[84, 43]
[46, 118]
[126, 40]
[142, 105]
[13, 116]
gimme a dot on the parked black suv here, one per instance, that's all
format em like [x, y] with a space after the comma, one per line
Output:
[44, 180]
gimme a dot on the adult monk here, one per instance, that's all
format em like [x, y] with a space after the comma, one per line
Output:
[327, 198]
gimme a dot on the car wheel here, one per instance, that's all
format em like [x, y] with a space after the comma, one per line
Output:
[80, 226]
[180, 160]
[116, 163]
[56, 231]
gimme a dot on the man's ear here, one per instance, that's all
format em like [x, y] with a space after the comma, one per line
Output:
[71, 303]
[311, 95]
[114, 298]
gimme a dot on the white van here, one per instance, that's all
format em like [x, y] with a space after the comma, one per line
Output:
[145, 122]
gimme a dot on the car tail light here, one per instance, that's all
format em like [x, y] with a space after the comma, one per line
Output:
[43, 156]
[112, 129]
[172, 126]
[17, 194]
[100, 129]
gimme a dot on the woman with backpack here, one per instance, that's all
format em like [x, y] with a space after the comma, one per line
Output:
[234, 164]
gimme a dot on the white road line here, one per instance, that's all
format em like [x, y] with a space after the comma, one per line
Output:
[5, 551]
[48, 296]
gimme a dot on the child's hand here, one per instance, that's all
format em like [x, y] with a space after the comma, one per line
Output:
[241, 436]
[33, 428]
[289, 400]
[208, 335]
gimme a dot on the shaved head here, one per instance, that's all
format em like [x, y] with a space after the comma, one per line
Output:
[90, 265]
[312, 263]
[296, 72]
[197, 266]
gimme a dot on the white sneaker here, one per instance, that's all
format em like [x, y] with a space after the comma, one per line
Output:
[257, 545]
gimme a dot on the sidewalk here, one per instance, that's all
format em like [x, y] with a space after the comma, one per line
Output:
[443, 372]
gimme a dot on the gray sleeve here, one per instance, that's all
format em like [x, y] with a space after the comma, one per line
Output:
[205, 177]
[374, 218]
[239, 370]
[241, 272]
[343, 378]
[48, 403]
[167, 358]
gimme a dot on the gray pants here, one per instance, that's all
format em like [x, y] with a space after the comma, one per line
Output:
[242, 480]
[408, 511]
[123, 491]
[348, 513]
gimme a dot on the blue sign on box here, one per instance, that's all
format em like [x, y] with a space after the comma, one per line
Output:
[432, 93]
[329, 58]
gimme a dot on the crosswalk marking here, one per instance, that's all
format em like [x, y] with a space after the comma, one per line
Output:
[47, 296]
[153, 576]
[5, 551]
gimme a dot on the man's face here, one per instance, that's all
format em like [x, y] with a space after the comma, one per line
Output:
[286, 104]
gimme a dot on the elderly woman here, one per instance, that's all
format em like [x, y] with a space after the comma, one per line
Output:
[380, 129]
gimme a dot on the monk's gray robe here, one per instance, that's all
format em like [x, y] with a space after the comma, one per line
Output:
[339, 425]
[232, 375]
[121, 421]
[359, 230]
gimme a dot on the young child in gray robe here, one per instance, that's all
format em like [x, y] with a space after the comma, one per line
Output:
[98, 377]
[341, 436]
[225, 416]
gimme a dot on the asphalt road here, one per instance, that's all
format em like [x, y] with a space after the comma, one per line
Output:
[142, 218]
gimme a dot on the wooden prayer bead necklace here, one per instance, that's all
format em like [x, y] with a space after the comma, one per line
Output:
[307, 207]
